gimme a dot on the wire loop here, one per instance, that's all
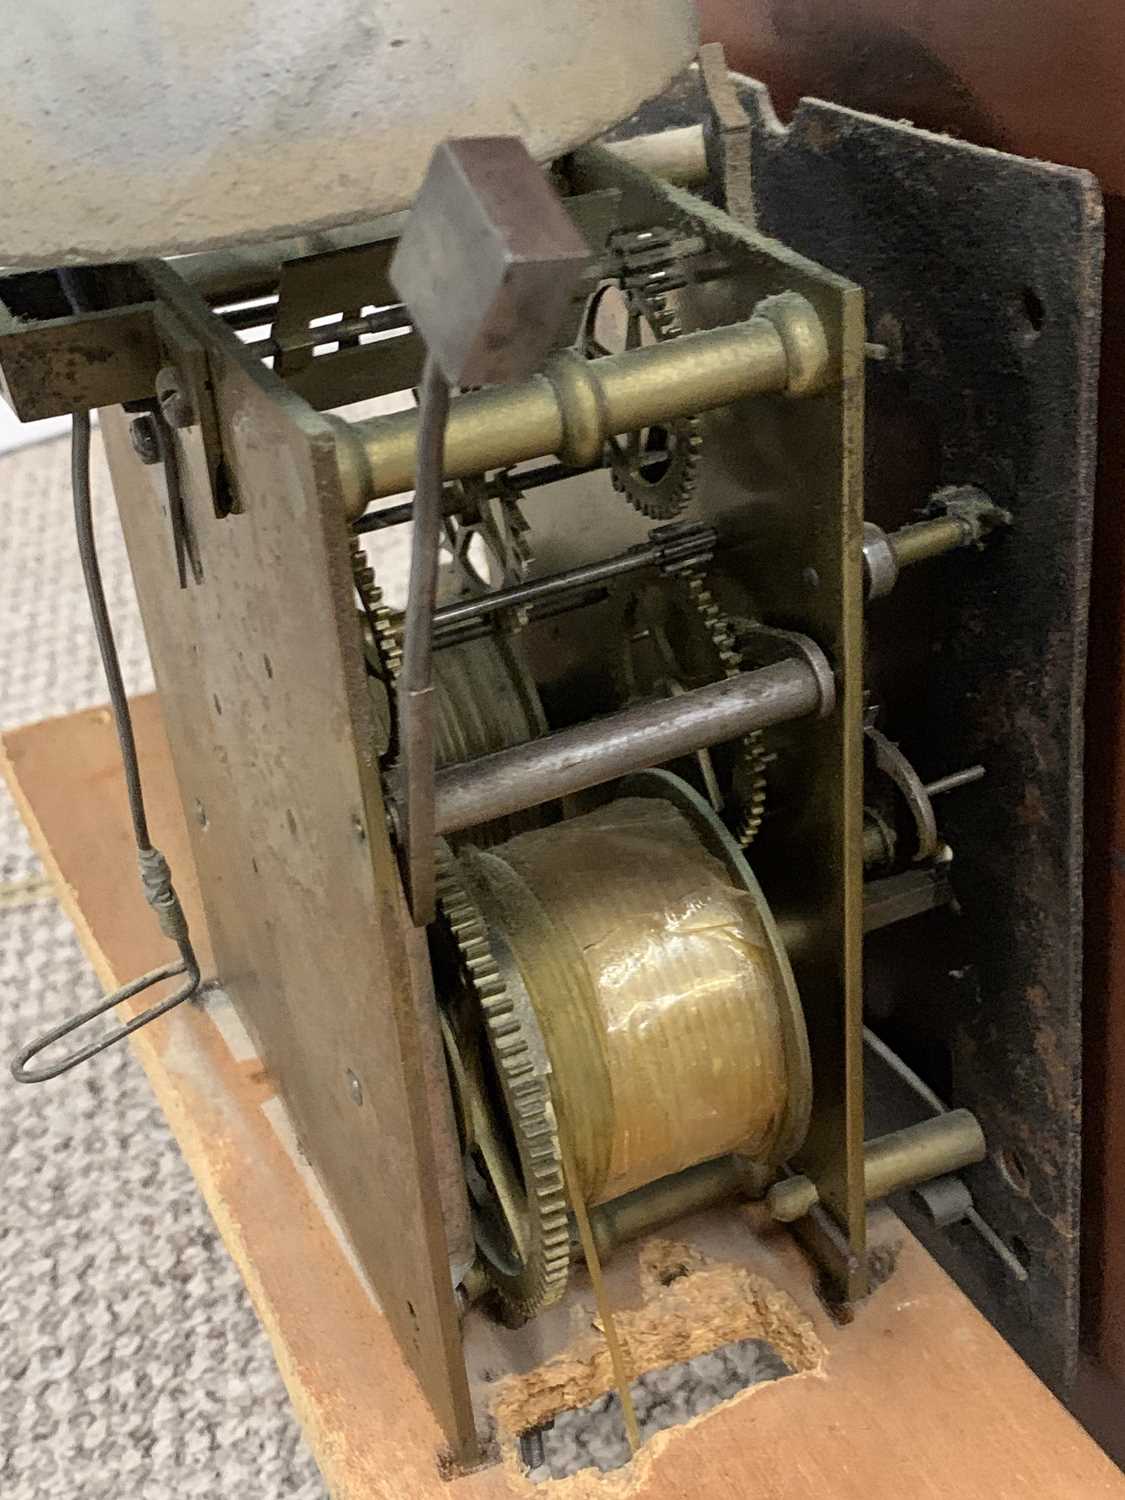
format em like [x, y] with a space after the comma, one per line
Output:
[156, 878]
[187, 965]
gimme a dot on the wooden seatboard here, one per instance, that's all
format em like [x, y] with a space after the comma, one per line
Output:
[918, 1397]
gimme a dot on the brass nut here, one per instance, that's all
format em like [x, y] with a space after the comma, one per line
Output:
[803, 339]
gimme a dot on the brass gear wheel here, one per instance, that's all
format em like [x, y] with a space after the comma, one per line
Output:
[751, 747]
[382, 621]
[499, 1061]
[655, 469]
[485, 697]
[715, 650]
[493, 514]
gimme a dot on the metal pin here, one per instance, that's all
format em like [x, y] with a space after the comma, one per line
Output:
[955, 779]
[531, 1447]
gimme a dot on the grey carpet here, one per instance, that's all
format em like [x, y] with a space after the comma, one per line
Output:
[593, 1436]
[132, 1366]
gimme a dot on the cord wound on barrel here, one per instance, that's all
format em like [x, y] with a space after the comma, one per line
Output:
[650, 976]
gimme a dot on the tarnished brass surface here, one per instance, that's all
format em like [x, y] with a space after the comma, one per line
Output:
[660, 1203]
[68, 364]
[781, 481]
[926, 539]
[666, 1004]
[510, 1141]
[261, 678]
[945, 1143]
[577, 404]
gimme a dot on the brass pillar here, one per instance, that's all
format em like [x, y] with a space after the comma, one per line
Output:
[576, 404]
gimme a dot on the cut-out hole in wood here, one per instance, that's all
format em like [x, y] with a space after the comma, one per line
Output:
[593, 1436]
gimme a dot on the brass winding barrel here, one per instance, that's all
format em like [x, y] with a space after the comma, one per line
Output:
[657, 978]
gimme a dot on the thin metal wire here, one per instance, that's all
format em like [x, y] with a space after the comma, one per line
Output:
[416, 705]
[103, 628]
[155, 876]
[501, 485]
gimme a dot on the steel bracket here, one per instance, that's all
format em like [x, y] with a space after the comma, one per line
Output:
[186, 397]
[54, 361]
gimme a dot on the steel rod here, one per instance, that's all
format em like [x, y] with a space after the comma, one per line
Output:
[955, 779]
[260, 315]
[499, 487]
[649, 734]
[384, 320]
[644, 555]
[416, 703]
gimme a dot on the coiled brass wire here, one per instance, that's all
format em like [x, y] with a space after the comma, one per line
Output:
[656, 987]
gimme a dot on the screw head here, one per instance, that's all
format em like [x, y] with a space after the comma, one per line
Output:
[175, 402]
[145, 439]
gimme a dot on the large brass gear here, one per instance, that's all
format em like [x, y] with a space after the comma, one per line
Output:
[656, 469]
[498, 1062]
[699, 655]
[382, 621]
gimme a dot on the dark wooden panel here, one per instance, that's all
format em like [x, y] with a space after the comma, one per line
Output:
[982, 277]
[1043, 81]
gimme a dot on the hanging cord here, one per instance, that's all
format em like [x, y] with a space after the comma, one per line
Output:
[622, 1377]
[156, 878]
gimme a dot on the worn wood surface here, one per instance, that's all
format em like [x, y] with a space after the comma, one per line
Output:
[917, 1397]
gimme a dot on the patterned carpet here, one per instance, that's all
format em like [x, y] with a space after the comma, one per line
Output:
[132, 1366]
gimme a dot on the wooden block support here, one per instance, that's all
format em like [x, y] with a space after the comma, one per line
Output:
[917, 1397]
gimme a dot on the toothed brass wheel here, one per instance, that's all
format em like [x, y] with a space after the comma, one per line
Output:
[501, 1084]
[680, 638]
[485, 698]
[655, 469]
